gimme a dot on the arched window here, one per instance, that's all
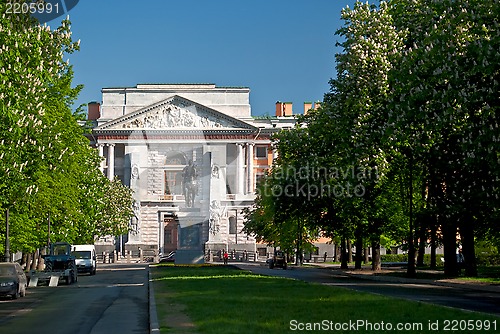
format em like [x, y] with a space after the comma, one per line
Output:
[174, 162]
[175, 158]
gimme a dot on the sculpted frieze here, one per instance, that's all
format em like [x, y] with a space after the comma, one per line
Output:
[172, 116]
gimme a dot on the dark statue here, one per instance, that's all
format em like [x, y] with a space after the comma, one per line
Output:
[189, 184]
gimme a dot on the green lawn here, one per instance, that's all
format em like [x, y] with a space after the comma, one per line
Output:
[221, 299]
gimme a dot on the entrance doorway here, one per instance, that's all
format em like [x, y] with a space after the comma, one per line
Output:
[169, 234]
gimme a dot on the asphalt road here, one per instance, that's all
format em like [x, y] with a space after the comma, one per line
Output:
[456, 297]
[113, 301]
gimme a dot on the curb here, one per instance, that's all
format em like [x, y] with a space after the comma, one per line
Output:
[154, 326]
[404, 280]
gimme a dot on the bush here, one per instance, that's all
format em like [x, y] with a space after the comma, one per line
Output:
[427, 260]
[487, 254]
[394, 258]
[404, 258]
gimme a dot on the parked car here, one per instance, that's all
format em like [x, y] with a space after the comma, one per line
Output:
[13, 280]
[278, 260]
[85, 258]
[170, 257]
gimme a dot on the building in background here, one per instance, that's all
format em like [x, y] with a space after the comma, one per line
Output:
[193, 154]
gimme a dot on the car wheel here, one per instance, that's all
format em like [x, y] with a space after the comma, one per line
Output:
[23, 292]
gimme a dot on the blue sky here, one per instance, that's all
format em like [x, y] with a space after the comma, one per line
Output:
[281, 49]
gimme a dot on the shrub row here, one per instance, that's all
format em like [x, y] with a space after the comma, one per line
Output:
[404, 258]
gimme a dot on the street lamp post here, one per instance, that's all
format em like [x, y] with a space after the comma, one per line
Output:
[236, 227]
[7, 241]
[48, 231]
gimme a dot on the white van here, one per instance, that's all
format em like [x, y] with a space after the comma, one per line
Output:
[85, 258]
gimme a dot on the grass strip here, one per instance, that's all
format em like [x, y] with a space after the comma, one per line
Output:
[222, 299]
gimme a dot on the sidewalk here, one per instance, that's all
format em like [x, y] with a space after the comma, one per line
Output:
[394, 275]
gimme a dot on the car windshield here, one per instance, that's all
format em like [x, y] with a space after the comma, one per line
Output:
[7, 271]
[60, 250]
[82, 254]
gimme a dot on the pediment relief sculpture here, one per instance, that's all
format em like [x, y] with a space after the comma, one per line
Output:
[170, 116]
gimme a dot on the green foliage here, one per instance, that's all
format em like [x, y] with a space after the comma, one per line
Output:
[414, 106]
[116, 209]
[487, 254]
[444, 110]
[394, 258]
[47, 167]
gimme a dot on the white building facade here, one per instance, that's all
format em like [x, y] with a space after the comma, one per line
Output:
[171, 141]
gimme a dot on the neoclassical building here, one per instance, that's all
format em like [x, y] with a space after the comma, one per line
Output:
[192, 153]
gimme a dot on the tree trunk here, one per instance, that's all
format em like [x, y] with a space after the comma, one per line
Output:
[41, 262]
[29, 257]
[349, 251]
[298, 255]
[343, 254]
[421, 243]
[468, 250]
[35, 260]
[376, 263]
[359, 252]
[450, 248]
[433, 242]
[23, 260]
[422, 221]
[337, 253]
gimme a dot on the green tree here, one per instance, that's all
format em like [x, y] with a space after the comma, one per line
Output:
[47, 167]
[445, 110]
[35, 95]
[116, 209]
[360, 93]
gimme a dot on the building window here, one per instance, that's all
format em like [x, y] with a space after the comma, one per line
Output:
[258, 178]
[261, 152]
[173, 183]
[232, 225]
[175, 159]
[173, 175]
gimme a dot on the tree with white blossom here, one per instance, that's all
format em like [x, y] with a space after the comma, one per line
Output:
[47, 168]
[359, 94]
[445, 108]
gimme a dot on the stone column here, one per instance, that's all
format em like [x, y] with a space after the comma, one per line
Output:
[250, 188]
[111, 161]
[100, 147]
[240, 169]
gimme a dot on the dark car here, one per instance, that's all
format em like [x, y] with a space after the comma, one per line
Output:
[170, 257]
[278, 260]
[13, 280]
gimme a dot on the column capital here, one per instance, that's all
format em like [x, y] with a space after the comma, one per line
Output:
[110, 144]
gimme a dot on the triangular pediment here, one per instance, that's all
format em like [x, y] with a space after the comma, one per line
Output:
[176, 113]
